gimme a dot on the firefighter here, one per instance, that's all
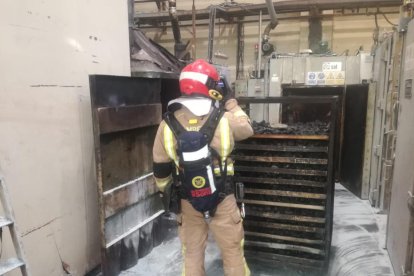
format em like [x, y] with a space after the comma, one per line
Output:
[197, 107]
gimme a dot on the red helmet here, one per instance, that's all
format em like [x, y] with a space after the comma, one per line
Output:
[198, 78]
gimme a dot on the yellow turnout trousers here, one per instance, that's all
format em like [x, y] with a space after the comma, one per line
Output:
[227, 229]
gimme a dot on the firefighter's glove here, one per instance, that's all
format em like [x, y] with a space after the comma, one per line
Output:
[165, 195]
[227, 91]
[231, 105]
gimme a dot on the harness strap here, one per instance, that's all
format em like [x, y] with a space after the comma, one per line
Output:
[174, 124]
[208, 129]
[211, 124]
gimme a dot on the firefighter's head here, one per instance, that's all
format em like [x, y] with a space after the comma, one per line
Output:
[200, 78]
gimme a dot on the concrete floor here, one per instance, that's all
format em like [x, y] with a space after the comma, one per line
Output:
[357, 247]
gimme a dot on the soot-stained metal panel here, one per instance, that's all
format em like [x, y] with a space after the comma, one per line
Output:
[126, 114]
[400, 235]
[114, 119]
[126, 155]
[352, 161]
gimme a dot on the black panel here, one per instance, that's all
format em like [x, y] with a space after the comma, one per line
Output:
[320, 112]
[145, 240]
[356, 99]
[170, 90]
[165, 228]
[112, 91]
[129, 251]
[112, 259]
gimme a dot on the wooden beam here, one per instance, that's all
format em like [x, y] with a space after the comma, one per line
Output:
[280, 171]
[281, 181]
[276, 159]
[284, 238]
[283, 204]
[291, 137]
[284, 193]
[283, 259]
[276, 216]
[281, 246]
[282, 226]
[283, 148]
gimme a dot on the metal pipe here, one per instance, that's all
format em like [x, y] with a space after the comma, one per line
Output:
[131, 23]
[259, 56]
[211, 33]
[254, 19]
[266, 88]
[273, 20]
[194, 30]
[174, 21]
[281, 6]
[315, 32]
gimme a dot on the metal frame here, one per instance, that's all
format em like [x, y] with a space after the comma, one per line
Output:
[400, 228]
[126, 112]
[227, 12]
[212, 24]
[329, 205]
[20, 261]
[377, 190]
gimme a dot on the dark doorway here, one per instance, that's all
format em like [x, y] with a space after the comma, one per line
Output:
[350, 130]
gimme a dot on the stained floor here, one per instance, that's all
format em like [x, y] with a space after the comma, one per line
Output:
[357, 247]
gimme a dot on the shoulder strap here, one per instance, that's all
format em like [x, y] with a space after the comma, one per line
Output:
[174, 124]
[211, 124]
[207, 129]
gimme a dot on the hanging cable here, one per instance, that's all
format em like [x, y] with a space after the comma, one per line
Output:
[386, 19]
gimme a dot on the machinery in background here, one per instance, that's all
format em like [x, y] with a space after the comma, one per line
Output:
[283, 71]
[349, 78]
[375, 120]
[312, 116]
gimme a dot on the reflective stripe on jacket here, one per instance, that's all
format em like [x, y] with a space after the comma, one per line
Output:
[233, 126]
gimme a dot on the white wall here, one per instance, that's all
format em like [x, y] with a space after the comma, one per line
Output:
[47, 50]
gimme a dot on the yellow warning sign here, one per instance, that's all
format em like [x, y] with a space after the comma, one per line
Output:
[340, 78]
[330, 78]
[334, 77]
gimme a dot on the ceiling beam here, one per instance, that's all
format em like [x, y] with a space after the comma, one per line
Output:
[255, 19]
[231, 11]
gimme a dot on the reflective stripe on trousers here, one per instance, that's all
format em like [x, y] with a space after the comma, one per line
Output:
[230, 170]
